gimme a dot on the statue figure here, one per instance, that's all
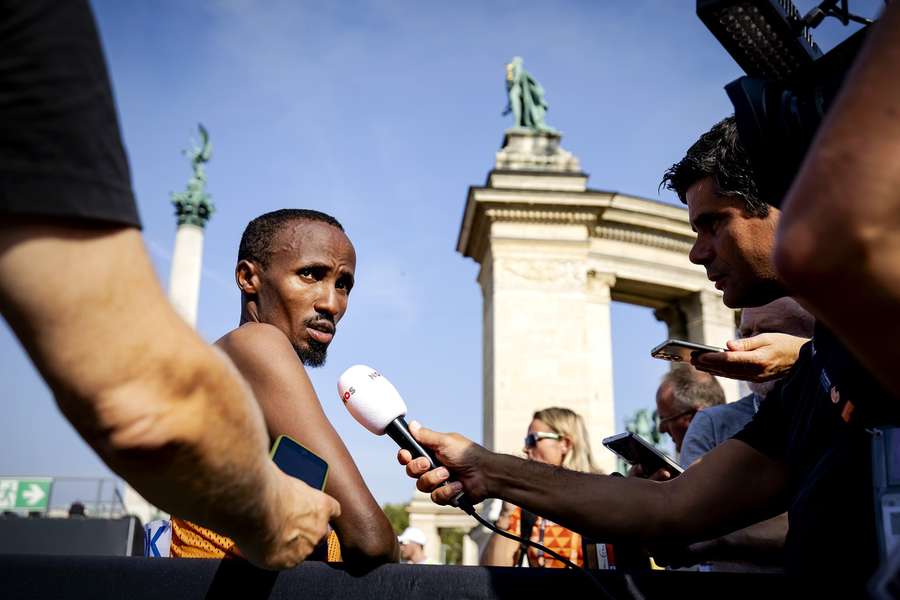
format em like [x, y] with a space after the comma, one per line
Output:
[194, 206]
[643, 423]
[526, 98]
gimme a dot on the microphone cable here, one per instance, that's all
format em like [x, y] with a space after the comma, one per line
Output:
[470, 510]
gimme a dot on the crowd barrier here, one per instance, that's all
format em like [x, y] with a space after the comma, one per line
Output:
[96, 537]
[138, 578]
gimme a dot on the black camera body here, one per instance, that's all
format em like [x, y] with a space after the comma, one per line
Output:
[789, 87]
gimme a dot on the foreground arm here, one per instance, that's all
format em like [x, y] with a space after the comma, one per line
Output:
[290, 406]
[159, 406]
[838, 245]
[732, 487]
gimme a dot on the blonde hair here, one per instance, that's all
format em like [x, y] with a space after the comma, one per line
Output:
[569, 424]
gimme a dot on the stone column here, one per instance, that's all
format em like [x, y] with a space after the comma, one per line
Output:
[599, 412]
[547, 332]
[709, 321]
[423, 515]
[469, 551]
[184, 278]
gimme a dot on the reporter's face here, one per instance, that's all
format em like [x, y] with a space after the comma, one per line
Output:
[673, 420]
[736, 248]
[305, 288]
[548, 451]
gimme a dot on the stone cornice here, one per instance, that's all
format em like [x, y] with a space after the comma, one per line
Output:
[606, 215]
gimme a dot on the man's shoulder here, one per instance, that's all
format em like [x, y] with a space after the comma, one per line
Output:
[743, 406]
[257, 342]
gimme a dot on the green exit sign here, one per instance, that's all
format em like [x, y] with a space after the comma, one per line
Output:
[32, 493]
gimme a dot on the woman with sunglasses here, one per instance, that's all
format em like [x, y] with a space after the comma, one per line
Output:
[556, 436]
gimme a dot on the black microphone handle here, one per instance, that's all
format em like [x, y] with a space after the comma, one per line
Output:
[398, 430]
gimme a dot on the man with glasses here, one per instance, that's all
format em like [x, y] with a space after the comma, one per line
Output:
[683, 392]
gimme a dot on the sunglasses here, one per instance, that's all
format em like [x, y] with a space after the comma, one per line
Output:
[532, 439]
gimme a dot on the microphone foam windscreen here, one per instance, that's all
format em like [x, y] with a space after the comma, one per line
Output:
[370, 398]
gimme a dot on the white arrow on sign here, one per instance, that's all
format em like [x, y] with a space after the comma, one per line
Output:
[33, 494]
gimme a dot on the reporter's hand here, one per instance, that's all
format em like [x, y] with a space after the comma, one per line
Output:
[458, 454]
[759, 358]
[297, 520]
[659, 475]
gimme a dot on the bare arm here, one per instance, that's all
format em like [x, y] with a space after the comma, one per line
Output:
[500, 551]
[159, 406]
[732, 487]
[838, 244]
[290, 406]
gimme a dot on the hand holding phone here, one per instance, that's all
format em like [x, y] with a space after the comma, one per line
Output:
[635, 450]
[300, 462]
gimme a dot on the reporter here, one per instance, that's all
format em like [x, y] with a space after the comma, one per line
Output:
[558, 437]
[160, 407]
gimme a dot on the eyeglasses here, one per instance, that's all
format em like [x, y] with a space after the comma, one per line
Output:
[661, 420]
[532, 439]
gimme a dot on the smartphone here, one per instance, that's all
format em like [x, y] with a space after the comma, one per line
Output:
[635, 450]
[681, 351]
[297, 461]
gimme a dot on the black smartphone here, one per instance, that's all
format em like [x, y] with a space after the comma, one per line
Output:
[635, 450]
[297, 461]
[681, 351]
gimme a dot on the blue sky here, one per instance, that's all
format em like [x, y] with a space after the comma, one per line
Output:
[382, 114]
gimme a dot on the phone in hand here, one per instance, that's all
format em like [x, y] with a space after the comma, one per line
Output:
[635, 450]
[681, 351]
[299, 462]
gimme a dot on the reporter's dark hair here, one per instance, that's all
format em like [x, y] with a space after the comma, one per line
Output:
[259, 233]
[720, 155]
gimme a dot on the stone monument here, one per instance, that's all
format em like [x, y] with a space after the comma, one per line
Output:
[554, 254]
[193, 208]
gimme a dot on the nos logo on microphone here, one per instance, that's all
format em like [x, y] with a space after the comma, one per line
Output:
[347, 394]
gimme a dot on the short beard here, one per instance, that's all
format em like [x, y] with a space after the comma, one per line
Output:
[314, 354]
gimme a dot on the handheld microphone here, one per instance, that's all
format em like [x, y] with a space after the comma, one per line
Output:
[376, 404]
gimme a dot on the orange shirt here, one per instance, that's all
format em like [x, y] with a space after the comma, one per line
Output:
[564, 542]
[192, 541]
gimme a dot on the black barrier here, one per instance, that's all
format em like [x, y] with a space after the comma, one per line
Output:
[67, 537]
[155, 578]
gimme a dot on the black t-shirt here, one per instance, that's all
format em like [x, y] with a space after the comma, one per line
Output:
[817, 421]
[61, 154]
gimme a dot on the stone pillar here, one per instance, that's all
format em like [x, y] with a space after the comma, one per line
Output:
[599, 412]
[469, 551]
[423, 515]
[709, 321]
[674, 319]
[184, 278]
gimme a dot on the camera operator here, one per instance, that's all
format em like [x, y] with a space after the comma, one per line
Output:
[839, 241]
[806, 450]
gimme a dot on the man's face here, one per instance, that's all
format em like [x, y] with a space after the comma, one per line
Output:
[305, 287]
[407, 551]
[735, 247]
[672, 420]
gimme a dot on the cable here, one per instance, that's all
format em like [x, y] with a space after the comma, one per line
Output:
[522, 540]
